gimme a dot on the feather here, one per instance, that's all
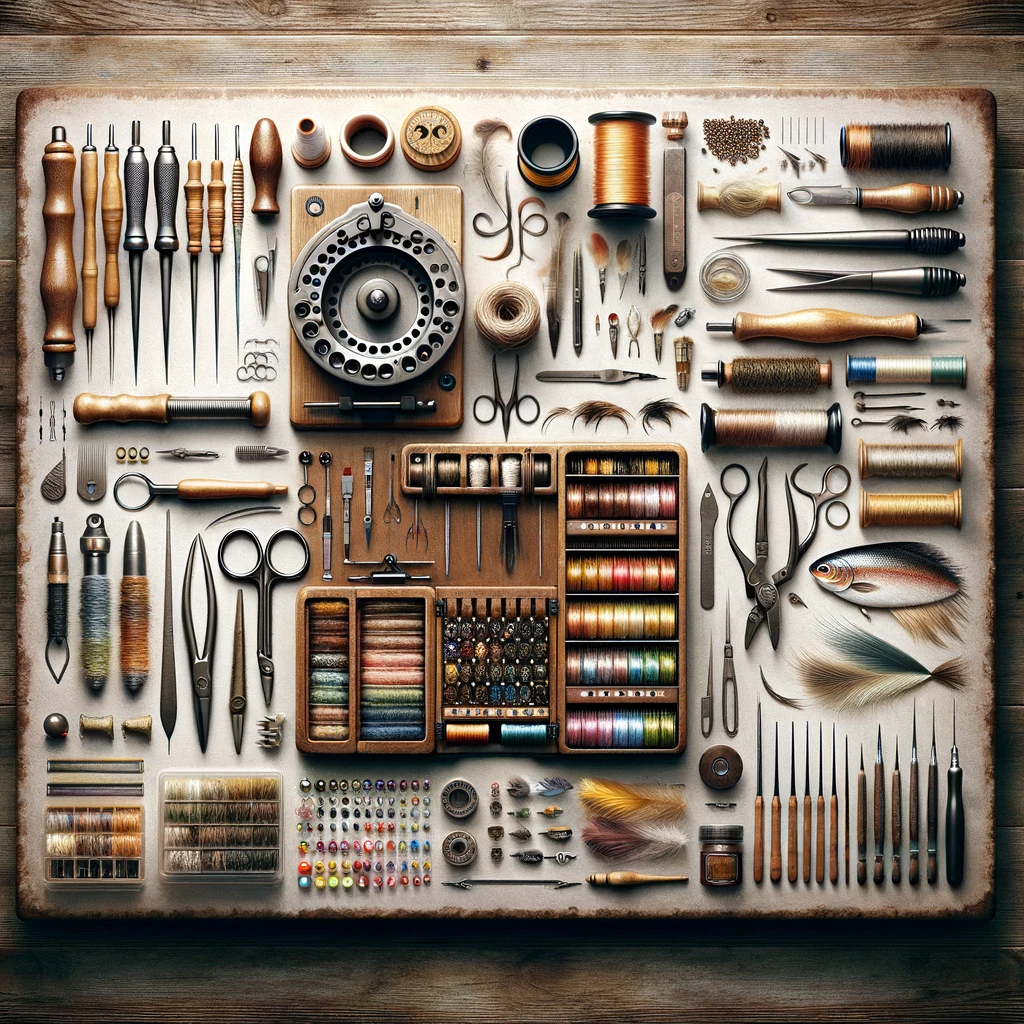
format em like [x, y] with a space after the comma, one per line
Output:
[606, 798]
[789, 702]
[951, 423]
[660, 410]
[594, 413]
[905, 424]
[875, 670]
[623, 256]
[934, 622]
[559, 410]
[520, 787]
[599, 251]
[660, 318]
[620, 839]
[489, 166]
[554, 273]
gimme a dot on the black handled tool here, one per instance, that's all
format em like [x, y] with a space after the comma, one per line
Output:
[954, 814]
[136, 192]
[165, 185]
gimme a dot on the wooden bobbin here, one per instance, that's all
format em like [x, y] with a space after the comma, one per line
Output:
[431, 138]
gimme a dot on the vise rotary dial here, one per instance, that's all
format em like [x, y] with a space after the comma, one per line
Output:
[376, 297]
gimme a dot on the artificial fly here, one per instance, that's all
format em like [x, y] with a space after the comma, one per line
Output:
[521, 788]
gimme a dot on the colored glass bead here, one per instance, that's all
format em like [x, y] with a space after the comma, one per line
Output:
[347, 882]
[333, 882]
[304, 867]
[320, 882]
[304, 881]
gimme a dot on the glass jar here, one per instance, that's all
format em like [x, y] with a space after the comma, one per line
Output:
[721, 855]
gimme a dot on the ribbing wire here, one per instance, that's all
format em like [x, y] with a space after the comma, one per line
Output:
[622, 172]
[776, 375]
[911, 509]
[771, 428]
[950, 370]
[507, 315]
[95, 616]
[921, 461]
[895, 147]
[134, 631]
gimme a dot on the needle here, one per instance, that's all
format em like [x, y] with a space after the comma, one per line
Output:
[759, 810]
[807, 803]
[819, 846]
[776, 851]
[833, 820]
[791, 827]
[914, 874]
[237, 219]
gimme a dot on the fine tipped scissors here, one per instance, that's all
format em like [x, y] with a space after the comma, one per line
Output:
[514, 403]
[201, 664]
[762, 587]
[263, 575]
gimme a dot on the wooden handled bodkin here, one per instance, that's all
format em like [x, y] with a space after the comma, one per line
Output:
[911, 198]
[90, 271]
[265, 166]
[759, 839]
[58, 284]
[194, 206]
[822, 326]
[623, 878]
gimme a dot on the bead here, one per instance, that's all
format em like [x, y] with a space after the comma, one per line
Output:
[333, 882]
[332, 846]
[304, 867]
[346, 866]
[363, 882]
[426, 879]
[404, 879]
[303, 846]
[378, 882]
[318, 867]
[391, 881]
[332, 865]
[305, 785]
[304, 881]
[320, 882]
[55, 726]
[347, 882]
[416, 880]
[320, 846]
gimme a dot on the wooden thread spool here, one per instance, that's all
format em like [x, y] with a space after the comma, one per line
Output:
[911, 509]
[896, 147]
[771, 428]
[622, 164]
[368, 125]
[740, 198]
[312, 145]
[770, 375]
[916, 461]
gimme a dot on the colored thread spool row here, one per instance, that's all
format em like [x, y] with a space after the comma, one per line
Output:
[620, 573]
[392, 666]
[771, 428]
[618, 667]
[621, 500]
[917, 461]
[949, 370]
[328, 680]
[911, 509]
[512, 734]
[620, 620]
[621, 729]
[896, 147]
[619, 464]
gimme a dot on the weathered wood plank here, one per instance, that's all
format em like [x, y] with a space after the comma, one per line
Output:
[682, 60]
[151, 17]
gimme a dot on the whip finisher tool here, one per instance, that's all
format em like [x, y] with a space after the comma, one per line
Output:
[136, 192]
[58, 284]
[165, 184]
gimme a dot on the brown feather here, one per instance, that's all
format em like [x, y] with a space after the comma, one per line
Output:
[599, 251]
[623, 254]
[596, 412]
[660, 319]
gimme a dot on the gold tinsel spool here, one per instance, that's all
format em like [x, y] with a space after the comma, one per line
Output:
[467, 733]
[910, 509]
[622, 164]
[916, 461]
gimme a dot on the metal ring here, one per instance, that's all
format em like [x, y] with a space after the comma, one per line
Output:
[306, 494]
[459, 849]
[133, 454]
[315, 206]
[828, 514]
[121, 454]
[837, 468]
[133, 476]
[459, 799]
[143, 454]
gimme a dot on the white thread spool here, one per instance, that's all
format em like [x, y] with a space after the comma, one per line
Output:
[479, 471]
[312, 145]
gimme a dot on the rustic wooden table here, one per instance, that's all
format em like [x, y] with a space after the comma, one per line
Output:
[480, 970]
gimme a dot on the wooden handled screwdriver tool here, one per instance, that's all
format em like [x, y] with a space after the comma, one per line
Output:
[215, 192]
[194, 219]
[90, 272]
[165, 185]
[826, 326]
[136, 193]
[112, 213]
[58, 283]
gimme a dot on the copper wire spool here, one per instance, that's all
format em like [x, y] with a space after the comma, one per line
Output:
[467, 733]
[913, 461]
[622, 164]
[896, 147]
[771, 428]
[911, 509]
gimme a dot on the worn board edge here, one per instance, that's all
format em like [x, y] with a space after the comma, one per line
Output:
[984, 103]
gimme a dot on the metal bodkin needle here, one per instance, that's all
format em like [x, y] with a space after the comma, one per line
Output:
[165, 185]
[112, 211]
[194, 190]
[215, 191]
[791, 824]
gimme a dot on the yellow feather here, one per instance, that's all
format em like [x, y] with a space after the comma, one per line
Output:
[605, 798]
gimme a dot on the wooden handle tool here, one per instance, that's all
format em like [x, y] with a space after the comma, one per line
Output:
[189, 490]
[58, 284]
[807, 806]
[879, 816]
[862, 823]
[775, 862]
[821, 326]
[819, 835]
[913, 815]
[90, 408]
[791, 822]
[90, 271]
[911, 198]
[624, 878]
[897, 818]
[112, 215]
[215, 192]
[759, 811]
[194, 190]
[265, 166]
[833, 820]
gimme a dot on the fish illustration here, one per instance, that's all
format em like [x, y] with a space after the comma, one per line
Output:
[914, 581]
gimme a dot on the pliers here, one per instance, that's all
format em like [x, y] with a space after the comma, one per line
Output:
[201, 664]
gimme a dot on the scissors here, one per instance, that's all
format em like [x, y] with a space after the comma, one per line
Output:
[201, 663]
[514, 403]
[263, 575]
[763, 588]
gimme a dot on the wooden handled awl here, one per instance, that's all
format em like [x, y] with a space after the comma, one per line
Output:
[90, 272]
[622, 878]
[759, 811]
[58, 284]
[112, 214]
[775, 859]
[194, 191]
[265, 167]
[791, 820]
[166, 409]
[215, 191]
[826, 326]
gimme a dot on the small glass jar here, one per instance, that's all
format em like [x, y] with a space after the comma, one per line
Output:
[724, 276]
[721, 855]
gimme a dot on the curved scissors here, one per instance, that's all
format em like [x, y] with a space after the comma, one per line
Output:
[263, 575]
[514, 403]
